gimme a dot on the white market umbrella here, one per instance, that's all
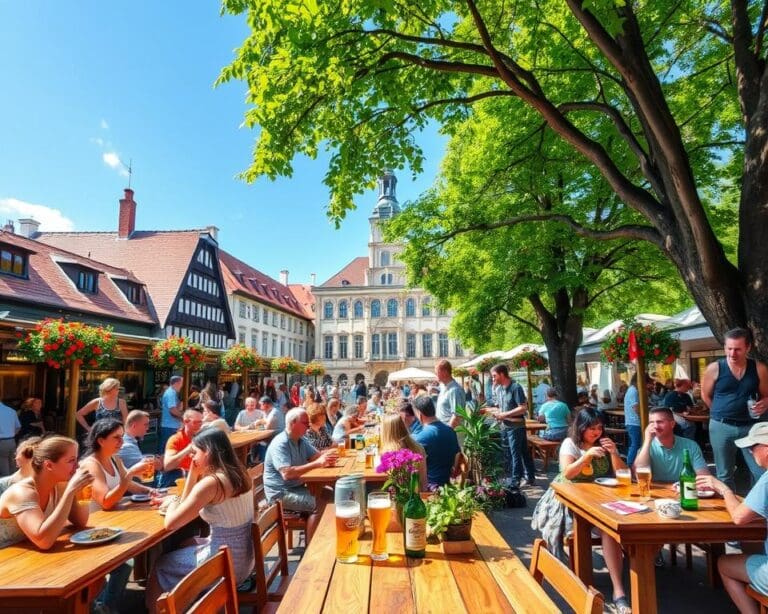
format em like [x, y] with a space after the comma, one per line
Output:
[477, 359]
[411, 374]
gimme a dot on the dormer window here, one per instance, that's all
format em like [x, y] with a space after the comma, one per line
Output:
[86, 282]
[130, 289]
[13, 262]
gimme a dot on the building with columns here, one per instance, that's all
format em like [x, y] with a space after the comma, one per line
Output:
[368, 323]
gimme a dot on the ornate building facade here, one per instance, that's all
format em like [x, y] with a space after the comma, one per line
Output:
[367, 322]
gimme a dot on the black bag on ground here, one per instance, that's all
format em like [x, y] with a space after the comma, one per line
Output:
[514, 498]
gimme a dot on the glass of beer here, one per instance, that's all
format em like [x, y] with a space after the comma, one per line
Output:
[644, 482]
[624, 488]
[370, 453]
[342, 446]
[85, 494]
[148, 475]
[347, 531]
[379, 510]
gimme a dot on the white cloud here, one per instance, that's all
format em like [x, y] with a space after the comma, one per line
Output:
[98, 141]
[112, 160]
[51, 220]
[104, 125]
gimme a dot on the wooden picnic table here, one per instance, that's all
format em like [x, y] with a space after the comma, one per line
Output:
[350, 463]
[490, 579]
[533, 426]
[68, 577]
[642, 534]
[243, 440]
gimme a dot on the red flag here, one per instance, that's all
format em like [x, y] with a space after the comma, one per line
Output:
[633, 353]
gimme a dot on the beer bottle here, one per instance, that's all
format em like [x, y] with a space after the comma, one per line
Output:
[689, 498]
[415, 525]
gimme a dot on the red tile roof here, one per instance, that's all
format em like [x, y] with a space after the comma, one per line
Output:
[160, 258]
[303, 294]
[49, 285]
[353, 274]
[242, 278]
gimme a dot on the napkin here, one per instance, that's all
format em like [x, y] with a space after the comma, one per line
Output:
[625, 507]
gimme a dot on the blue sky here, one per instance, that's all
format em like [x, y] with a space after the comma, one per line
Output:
[87, 86]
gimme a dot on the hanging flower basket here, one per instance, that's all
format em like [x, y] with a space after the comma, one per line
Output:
[653, 344]
[314, 368]
[285, 364]
[528, 360]
[60, 344]
[263, 365]
[486, 363]
[240, 358]
[460, 372]
[177, 353]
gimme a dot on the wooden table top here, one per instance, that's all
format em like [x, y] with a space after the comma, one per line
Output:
[697, 417]
[711, 523]
[66, 567]
[489, 579]
[239, 439]
[347, 464]
[535, 425]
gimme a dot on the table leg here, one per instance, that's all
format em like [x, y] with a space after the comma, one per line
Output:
[642, 578]
[582, 549]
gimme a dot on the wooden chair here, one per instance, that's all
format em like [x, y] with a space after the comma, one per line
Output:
[295, 521]
[208, 588]
[256, 473]
[581, 598]
[761, 599]
[267, 532]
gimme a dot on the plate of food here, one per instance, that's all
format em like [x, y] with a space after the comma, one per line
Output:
[98, 535]
[140, 497]
[607, 481]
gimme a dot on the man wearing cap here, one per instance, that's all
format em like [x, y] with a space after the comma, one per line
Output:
[738, 570]
[726, 386]
[662, 450]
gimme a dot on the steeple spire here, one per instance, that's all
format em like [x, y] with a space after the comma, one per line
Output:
[386, 204]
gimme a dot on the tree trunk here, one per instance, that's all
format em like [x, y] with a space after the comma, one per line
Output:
[562, 365]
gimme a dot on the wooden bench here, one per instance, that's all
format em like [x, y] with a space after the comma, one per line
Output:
[543, 449]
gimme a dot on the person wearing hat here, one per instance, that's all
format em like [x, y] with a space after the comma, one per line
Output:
[739, 570]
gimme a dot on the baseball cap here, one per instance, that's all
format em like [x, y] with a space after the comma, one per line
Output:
[267, 400]
[757, 434]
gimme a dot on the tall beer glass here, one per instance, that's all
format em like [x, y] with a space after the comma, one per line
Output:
[347, 531]
[379, 510]
[624, 478]
[644, 482]
[148, 474]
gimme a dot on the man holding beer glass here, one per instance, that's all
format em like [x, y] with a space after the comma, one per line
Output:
[289, 456]
[136, 427]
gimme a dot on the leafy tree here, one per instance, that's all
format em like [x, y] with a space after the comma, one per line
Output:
[684, 83]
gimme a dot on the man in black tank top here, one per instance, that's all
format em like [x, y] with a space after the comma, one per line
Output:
[726, 387]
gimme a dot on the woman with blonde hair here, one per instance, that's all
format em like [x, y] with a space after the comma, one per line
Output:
[24, 453]
[395, 436]
[107, 405]
[38, 507]
[333, 413]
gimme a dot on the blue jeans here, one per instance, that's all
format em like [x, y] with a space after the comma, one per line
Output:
[112, 593]
[635, 442]
[721, 437]
[168, 478]
[520, 455]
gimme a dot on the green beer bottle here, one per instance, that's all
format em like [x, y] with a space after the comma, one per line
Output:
[689, 498]
[415, 522]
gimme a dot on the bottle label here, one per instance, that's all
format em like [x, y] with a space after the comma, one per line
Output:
[689, 490]
[415, 533]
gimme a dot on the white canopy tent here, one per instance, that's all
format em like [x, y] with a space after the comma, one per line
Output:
[411, 374]
[477, 359]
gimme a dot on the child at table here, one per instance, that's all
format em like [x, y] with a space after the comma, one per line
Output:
[39, 507]
[219, 490]
[584, 456]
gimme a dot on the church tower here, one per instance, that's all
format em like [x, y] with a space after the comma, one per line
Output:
[382, 269]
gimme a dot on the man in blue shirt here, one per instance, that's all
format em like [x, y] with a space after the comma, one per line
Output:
[171, 411]
[408, 416]
[663, 451]
[450, 397]
[438, 440]
[632, 419]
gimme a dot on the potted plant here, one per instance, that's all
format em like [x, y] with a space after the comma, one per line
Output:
[450, 510]
[482, 444]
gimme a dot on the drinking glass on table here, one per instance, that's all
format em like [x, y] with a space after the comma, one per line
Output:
[148, 475]
[347, 531]
[84, 495]
[644, 481]
[379, 510]
[624, 487]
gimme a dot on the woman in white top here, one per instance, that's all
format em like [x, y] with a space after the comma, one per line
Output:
[107, 405]
[219, 490]
[39, 507]
[111, 479]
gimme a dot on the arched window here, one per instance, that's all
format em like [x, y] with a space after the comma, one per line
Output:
[385, 259]
[426, 307]
[343, 313]
[392, 308]
[328, 310]
[410, 308]
[357, 309]
[376, 308]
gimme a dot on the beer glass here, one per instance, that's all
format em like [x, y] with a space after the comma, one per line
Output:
[370, 453]
[85, 494]
[624, 488]
[347, 531]
[644, 482]
[379, 510]
[148, 474]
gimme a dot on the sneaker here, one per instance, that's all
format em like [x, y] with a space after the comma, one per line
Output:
[622, 605]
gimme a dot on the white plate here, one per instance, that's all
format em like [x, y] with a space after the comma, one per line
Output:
[84, 537]
[607, 481]
[140, 498]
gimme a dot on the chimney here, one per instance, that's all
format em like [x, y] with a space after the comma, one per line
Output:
[313, 279]
[126, 223]
[213, 231]
[8, 227]
[28, 227]
[284, 277]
